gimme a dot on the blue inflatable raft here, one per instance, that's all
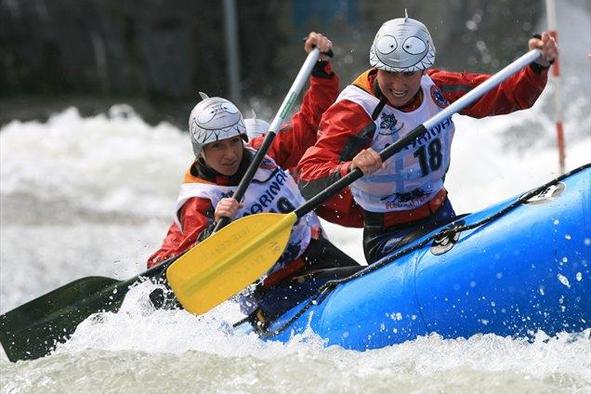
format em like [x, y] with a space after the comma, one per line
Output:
[520, 266]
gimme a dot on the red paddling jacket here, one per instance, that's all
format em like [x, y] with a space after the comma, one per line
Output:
[349, 126]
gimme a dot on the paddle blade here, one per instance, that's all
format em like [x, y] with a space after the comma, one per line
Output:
[229, 260]
[32, 330]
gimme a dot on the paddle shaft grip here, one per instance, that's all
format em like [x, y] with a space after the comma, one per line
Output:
[284, 110]
[418, 131]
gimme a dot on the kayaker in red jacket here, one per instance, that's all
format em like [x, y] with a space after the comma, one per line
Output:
[404, 197]
[287, 148]
[218, 133]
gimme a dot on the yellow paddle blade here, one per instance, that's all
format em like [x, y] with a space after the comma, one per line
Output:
[229, 260]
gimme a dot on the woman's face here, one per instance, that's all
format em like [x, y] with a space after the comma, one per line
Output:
[399, 87]
[224, 156]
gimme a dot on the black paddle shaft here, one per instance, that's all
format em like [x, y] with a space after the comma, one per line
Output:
[245, 182]
[280, 117]
[261, 152]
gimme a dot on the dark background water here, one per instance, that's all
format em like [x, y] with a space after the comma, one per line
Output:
[156, 55]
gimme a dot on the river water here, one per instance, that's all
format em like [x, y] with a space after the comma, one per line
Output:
[94, 196]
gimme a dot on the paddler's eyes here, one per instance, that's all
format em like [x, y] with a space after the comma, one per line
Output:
[236, 140]
[230, 141]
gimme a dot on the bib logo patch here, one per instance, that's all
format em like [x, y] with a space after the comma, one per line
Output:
[389, 124]
[438, 98]
[267, 164]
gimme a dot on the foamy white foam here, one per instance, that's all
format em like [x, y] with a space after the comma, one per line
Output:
[139, 327]
[111, 181]
[115, 163]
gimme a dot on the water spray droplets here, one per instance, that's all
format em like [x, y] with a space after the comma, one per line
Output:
[563, 279]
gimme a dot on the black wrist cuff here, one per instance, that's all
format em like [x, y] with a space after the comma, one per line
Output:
[319, 70]
[538, 68]
[206, 232]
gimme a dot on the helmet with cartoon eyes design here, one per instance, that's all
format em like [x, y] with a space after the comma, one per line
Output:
[214, 119]
[402, 45]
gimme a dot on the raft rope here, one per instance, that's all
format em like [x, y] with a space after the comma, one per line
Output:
[452, 229]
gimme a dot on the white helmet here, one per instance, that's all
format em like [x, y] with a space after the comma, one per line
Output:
[401, 45]
[255, 126]
[214, 119]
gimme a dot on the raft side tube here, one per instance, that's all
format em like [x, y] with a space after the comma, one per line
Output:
[527, 271]
[528, 268]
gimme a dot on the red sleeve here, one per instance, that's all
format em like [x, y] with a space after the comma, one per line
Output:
[345, 129]
[300, 132]
[195, 216]
[517, 92]
[342, 134]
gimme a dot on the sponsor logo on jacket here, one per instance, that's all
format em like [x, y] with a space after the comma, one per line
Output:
[438, 98]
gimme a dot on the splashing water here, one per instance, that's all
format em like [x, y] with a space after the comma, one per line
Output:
[94, 196]
[88, 227]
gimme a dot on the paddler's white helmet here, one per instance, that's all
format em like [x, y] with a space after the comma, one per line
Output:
[256, 126]
[402, 45]
[214, 119]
